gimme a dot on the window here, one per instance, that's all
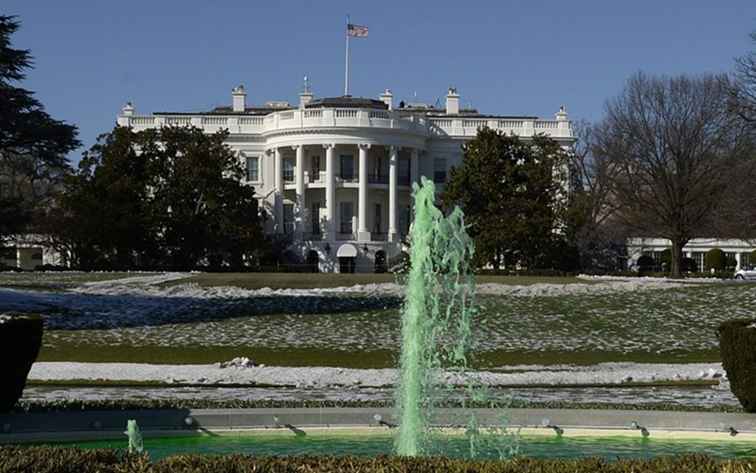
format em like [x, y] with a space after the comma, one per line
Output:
[745, 260]
[404, 171]
[288, 170]
[377, 219]
[315, 218]
[439, 170]
[347, 167]
[404, 220]
[346, 212]
[253, 169]
[314, 168]
[698, 257]
[288, 218]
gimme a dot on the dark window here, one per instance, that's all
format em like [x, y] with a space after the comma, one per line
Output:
[288, 170]
[288, 218]
[439, 170]
[347, 166]
[345, 217]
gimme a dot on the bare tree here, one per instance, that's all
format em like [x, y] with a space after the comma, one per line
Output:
[676, 150]
[743, 86]
[593, 206]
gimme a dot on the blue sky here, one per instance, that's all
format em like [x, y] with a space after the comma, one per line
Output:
[505, 57]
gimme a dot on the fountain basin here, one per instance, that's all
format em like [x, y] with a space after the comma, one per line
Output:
[370, 441]
[356, 431]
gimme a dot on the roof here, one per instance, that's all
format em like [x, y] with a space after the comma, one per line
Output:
[347, 101]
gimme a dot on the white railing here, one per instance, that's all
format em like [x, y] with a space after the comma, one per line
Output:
[216, 121]
[178, 121]
[346, 112]
[288, 120]
[251, 121]
[143, 121]
[519, 127]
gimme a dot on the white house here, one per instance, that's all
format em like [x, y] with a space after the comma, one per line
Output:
[738, 250]
[335, 173]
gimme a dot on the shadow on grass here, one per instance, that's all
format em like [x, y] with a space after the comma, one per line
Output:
[72, 311]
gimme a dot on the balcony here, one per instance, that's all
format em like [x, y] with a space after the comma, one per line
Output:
[378, 179]
[289, 120]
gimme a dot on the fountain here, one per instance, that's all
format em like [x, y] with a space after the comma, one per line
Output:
[136, 444]
[436, 320]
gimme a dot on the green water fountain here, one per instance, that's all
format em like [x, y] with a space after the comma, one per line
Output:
[436, 317]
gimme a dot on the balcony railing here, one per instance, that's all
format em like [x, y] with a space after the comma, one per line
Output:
[287, 120]
[378, 179]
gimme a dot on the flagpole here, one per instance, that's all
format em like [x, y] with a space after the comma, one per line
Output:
[346, 62]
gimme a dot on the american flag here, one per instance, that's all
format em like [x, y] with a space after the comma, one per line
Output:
[357, 31]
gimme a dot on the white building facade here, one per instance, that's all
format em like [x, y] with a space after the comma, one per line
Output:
[334, 175]
[696, 249]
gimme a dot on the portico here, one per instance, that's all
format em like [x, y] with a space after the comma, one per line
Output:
[343, 191]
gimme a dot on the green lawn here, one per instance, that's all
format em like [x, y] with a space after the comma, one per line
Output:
[56, 281]
[669, 325]
[367, 359]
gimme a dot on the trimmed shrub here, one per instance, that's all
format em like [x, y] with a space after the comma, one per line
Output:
[70, 460]
[20, 339]
[737, 345]
[646, 264]
[714, 258]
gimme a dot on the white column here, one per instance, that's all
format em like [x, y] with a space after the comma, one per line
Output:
[414, 166]
[279, 184]
[393, 163]
[330, 192]
[362, 230]
[737, 261]
[300, 206]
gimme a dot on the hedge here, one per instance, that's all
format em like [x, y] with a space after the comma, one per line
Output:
[20, 339]
[69, 460]
[737, 346]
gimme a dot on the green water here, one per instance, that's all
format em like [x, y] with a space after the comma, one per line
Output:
[369, 446]
[436, 318]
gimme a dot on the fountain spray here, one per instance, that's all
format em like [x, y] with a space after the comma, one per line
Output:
[436, 316]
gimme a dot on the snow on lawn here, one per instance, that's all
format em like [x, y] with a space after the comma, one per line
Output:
[602, 373]
[610, 316]
[704, 396]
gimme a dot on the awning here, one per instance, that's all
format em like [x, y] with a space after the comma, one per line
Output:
[347, 250]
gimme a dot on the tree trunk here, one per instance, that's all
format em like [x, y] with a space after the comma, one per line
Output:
[676, 263]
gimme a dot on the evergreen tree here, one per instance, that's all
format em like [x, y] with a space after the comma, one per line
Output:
[33, 146]
[168, 198]
[513, 197]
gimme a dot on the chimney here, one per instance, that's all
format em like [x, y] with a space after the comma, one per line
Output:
[388, 98]
[452, 102]
[239, 96]
[561, 115]
[127, 110]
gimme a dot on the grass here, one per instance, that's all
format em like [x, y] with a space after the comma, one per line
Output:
[667, 325]
[328, 280]
[365, 359]
[55, 281]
